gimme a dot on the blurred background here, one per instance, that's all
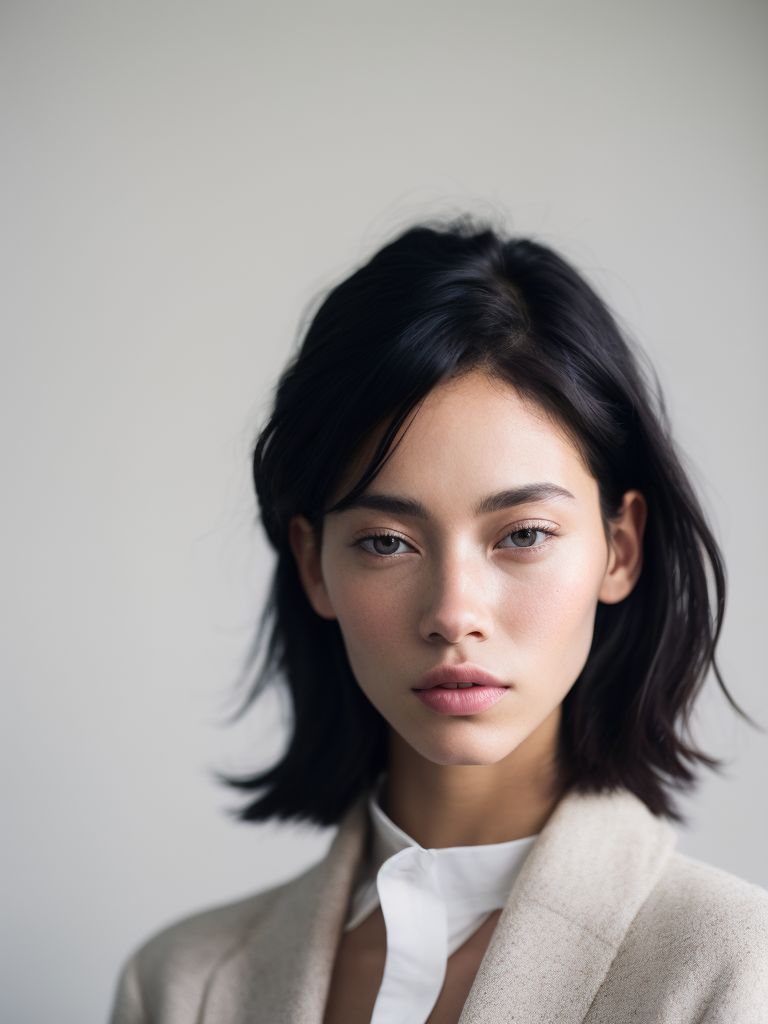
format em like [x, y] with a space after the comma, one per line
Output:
[181, 179]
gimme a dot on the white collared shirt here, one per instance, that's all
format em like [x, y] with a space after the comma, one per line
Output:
[432, 901]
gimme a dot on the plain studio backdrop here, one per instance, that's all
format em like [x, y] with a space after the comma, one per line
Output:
[182, 180]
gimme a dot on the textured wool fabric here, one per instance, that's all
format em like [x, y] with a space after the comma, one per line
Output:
[604, 925]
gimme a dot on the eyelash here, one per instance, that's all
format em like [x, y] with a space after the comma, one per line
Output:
[531, 524]
[384, 533]
[539, 527]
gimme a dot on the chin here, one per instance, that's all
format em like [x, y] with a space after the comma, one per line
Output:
[464, 742]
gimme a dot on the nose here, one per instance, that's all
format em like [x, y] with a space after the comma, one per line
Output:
[457, 605]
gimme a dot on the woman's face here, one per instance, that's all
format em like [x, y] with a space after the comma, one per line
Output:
[466, 579]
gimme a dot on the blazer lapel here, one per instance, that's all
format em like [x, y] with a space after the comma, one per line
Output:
[594, 864]
[281, 973]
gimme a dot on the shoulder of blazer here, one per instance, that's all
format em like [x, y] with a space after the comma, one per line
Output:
[696, 905]
[696, 950]
[190, 945]
[176, 964]
[170, 973]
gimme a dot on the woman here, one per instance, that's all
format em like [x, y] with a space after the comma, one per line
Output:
[492, 609]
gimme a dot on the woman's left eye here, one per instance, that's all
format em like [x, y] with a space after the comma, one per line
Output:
[525, 538]
[384, 544]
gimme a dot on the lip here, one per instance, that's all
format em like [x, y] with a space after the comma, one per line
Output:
[439, 691]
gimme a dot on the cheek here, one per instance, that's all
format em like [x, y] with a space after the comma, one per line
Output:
[551, 617]
[373, 615]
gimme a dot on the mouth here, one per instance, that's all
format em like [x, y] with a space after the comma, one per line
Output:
[459, 689]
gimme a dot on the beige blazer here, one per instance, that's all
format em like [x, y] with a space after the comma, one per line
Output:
[604, 925]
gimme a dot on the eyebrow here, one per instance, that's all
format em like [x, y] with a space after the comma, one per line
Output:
[522, 496]
[395, 506]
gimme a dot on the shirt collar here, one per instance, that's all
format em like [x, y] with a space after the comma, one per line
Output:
[472, 879]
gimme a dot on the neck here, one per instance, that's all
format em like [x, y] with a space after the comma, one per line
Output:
[442, 805]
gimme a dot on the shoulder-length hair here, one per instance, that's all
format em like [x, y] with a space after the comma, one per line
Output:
[434, 303]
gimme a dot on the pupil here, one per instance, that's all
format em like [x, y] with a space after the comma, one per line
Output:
[526, 538]
[386, 545]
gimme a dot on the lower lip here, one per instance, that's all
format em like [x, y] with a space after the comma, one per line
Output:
[464, 701]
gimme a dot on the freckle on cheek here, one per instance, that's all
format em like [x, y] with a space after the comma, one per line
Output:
[366, 625]
[556, 612]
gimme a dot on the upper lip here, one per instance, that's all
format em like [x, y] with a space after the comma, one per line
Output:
[466, 673]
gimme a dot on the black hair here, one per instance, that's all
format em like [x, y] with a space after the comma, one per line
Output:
[434, 303]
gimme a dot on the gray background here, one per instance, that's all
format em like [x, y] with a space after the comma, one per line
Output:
[182, 178]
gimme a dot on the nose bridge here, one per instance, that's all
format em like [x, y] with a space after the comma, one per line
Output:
[457, 596]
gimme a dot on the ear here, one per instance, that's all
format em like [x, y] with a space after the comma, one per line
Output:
[301, 537]
[625, 556]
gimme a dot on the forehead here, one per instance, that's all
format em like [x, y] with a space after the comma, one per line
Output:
[474, 434]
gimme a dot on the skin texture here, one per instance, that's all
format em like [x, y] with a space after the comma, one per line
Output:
[463, 585]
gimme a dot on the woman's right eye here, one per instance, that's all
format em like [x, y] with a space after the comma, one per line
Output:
[385, 544]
